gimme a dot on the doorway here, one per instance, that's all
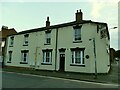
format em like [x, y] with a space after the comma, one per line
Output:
[62, 62]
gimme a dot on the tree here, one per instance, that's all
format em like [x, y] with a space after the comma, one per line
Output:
[117, 53]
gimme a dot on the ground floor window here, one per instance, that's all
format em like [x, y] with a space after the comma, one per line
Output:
[78, 57]
[24, 56]
[10, 56]
[47, 56]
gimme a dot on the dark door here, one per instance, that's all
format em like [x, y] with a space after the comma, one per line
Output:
[62, 62]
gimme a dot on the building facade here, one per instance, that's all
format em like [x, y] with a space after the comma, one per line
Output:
[78, 46]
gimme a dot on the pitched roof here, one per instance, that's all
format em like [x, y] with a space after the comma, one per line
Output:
[5, 32]
[58, 26]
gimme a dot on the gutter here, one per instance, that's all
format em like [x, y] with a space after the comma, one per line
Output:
[56, 46]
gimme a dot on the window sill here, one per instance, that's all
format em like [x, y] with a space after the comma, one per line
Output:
[47, 44]
[23, 63]
[82, 65]
[46, 63]
[8, 61]
[25, 44]
[77, 41]
[10, 46]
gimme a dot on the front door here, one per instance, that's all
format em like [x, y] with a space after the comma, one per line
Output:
[62, 62]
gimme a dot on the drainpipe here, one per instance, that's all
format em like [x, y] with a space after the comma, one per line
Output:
[35, 57]
[56, 46]
[95, 58]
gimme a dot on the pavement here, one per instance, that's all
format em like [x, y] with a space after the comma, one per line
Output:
[110, 78]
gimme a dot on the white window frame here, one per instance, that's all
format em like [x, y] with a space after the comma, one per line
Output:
[3, 44]
[77, 33]
[81, 57]
[10, 56]
[26, 39]
[11, 41]
[22, 56]
[45, 56]
[48, 37]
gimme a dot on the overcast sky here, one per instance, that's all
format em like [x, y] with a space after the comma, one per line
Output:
[28, 14]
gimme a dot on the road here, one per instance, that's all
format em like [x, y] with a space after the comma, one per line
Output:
[18, 80]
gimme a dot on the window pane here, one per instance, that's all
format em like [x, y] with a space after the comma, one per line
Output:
[77, 60]
[48, 40]
[47, 59]
[10, 56]
[44, 56]
[47, 54]
[25, 40]
[77, 34]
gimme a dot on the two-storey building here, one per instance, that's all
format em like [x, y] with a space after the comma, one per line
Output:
[78, 46]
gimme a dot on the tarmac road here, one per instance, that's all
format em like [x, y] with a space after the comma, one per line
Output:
[18, 80]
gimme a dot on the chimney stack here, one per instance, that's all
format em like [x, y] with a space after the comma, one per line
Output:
[79, 16]
[4, 28]
[47, 23]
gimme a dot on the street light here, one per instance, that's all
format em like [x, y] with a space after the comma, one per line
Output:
[110, 41]
[113, 28]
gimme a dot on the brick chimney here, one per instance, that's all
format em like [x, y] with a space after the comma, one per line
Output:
[4, 28]
[47, 23]
[79, 16]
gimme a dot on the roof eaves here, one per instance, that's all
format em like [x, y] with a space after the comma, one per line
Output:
[57, 26]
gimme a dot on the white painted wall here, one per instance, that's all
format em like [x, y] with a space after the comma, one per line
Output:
[65, 40]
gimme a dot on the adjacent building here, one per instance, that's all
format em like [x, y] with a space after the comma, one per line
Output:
[78, 46]
[112, 54]
[3, 37]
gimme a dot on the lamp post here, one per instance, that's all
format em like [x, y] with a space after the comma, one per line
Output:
[113, 28]
[109, 47]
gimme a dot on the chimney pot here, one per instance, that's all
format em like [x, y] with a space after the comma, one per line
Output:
[77, 11]
[80, 10]
[47, 23]
[47, 18]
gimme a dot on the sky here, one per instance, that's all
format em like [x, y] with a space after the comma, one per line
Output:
[28, 14]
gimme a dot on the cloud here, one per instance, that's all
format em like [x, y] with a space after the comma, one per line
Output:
[99, 5]
[96, 8]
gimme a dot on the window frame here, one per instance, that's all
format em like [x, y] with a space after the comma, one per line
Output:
[9, 56]
[11, 41]
[77, 33]
[47, 55]
[26, 36]
[47, 37]
[80, 56]
[23, 52]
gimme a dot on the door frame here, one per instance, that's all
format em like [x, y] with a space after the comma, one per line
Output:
[61, 52]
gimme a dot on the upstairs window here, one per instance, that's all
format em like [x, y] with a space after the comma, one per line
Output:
[11, 41]
[48, 37]
[77, 33]
[26, 40]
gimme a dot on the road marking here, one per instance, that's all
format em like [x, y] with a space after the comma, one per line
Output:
[64, 79]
